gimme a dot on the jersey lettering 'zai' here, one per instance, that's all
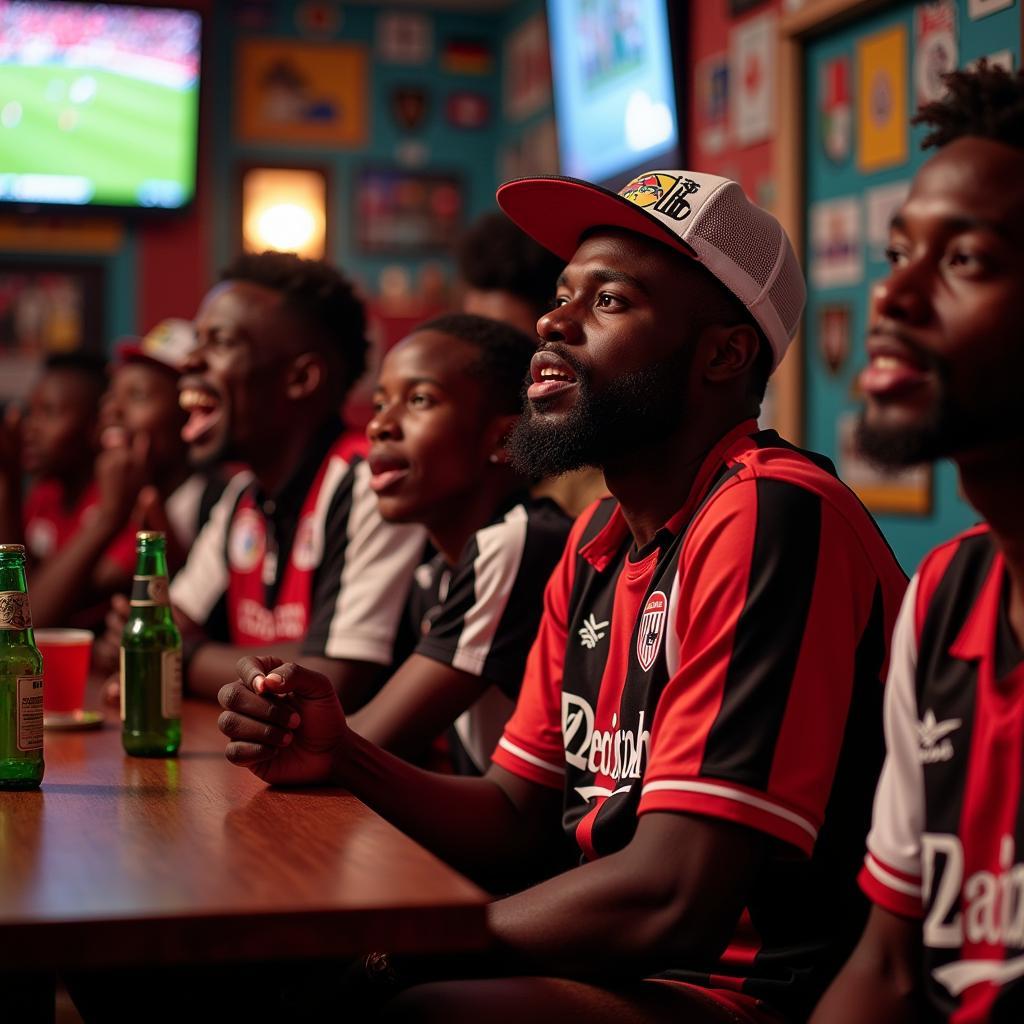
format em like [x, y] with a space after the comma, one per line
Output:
[948, 832]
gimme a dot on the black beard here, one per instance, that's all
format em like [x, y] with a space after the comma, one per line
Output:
[948, 432]
[897, 449]
[601, 427]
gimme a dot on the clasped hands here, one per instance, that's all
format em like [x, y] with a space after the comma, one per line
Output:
[284, 722]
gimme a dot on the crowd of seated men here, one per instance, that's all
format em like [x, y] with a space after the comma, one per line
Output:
[659, 709]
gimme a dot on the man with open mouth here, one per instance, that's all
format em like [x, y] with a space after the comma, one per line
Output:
[945, 378]
[298, 561]
[700, 717]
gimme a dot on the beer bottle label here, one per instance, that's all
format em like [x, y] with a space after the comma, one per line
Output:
[170, 684]
[30, 712]
[150, 592]
[14, 610]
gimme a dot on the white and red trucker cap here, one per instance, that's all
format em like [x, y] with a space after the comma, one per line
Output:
[701, 215]
[167, 345]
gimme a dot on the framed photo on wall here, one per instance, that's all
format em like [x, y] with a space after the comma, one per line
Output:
[302, 92]
[44, 309]
[407, 213]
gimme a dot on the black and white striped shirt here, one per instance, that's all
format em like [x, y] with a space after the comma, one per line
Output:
[361, 566]
[481, 615]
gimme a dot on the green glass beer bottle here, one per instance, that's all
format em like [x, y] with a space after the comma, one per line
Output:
[150, 657]
[21, 678]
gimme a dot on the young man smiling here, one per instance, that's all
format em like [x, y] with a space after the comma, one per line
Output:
[700, 714]
[945, 869]
[299, 561]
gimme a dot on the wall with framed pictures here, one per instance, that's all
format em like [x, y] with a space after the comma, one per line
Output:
[46, 307]
[396, 105]
[861, 83]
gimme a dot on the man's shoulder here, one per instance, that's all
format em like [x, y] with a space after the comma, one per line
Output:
[959, 564]
[793, 474]
[538, 516]
[975, 542]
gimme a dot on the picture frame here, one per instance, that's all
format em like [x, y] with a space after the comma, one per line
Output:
[294, 91]
[407, 213]
[46, 308]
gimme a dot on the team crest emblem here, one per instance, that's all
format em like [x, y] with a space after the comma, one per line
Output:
[652, 629]
[305, 549]
[647, 189]
[248, 541]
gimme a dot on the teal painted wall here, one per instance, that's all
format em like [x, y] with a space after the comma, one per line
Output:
[469, 154]
[828, 396]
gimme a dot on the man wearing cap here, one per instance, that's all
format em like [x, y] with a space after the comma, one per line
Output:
[701, 712]
[143, 400]
[141, 479]
[78, 504]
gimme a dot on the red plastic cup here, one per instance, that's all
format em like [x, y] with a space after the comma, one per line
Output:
[65, 668]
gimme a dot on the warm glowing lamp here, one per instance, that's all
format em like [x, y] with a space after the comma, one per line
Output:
[284, 208]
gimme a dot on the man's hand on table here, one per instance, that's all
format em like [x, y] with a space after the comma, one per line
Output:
[284, 721]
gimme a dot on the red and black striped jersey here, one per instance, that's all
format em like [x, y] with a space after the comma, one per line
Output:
[949, 815]
[732, 668]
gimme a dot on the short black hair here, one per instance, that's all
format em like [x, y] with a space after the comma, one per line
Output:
[504, 355]
[89, 366]
[322, 297]
[495, 255]
[987, 102]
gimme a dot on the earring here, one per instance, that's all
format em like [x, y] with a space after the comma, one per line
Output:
[493, 457]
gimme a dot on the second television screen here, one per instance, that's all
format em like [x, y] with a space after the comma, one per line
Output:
[614, 91]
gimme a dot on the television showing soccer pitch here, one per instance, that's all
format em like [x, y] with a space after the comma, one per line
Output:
[99, 104]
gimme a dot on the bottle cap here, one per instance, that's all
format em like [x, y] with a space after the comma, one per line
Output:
[150, 535]
[12, 549]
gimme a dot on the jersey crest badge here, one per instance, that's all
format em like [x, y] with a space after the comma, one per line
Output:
[652, 629]
[247, 541]
[306, 551]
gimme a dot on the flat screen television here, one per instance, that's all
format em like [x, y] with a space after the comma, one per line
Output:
[99, 105]
[615, 94]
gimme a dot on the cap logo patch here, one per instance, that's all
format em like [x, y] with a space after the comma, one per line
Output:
[646, 189]
[652, 629]
[667, 194]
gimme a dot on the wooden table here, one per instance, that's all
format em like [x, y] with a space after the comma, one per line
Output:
[120, 860]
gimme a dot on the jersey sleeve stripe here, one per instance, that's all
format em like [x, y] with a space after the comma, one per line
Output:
[890, 877]
[499, 557]
[375, 576]
[203, 580]
[891, 899]
[730, 793]
[505, 744]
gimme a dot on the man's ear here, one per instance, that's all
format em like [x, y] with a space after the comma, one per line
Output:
[496, 435]
[731, 351]
[306, 375]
